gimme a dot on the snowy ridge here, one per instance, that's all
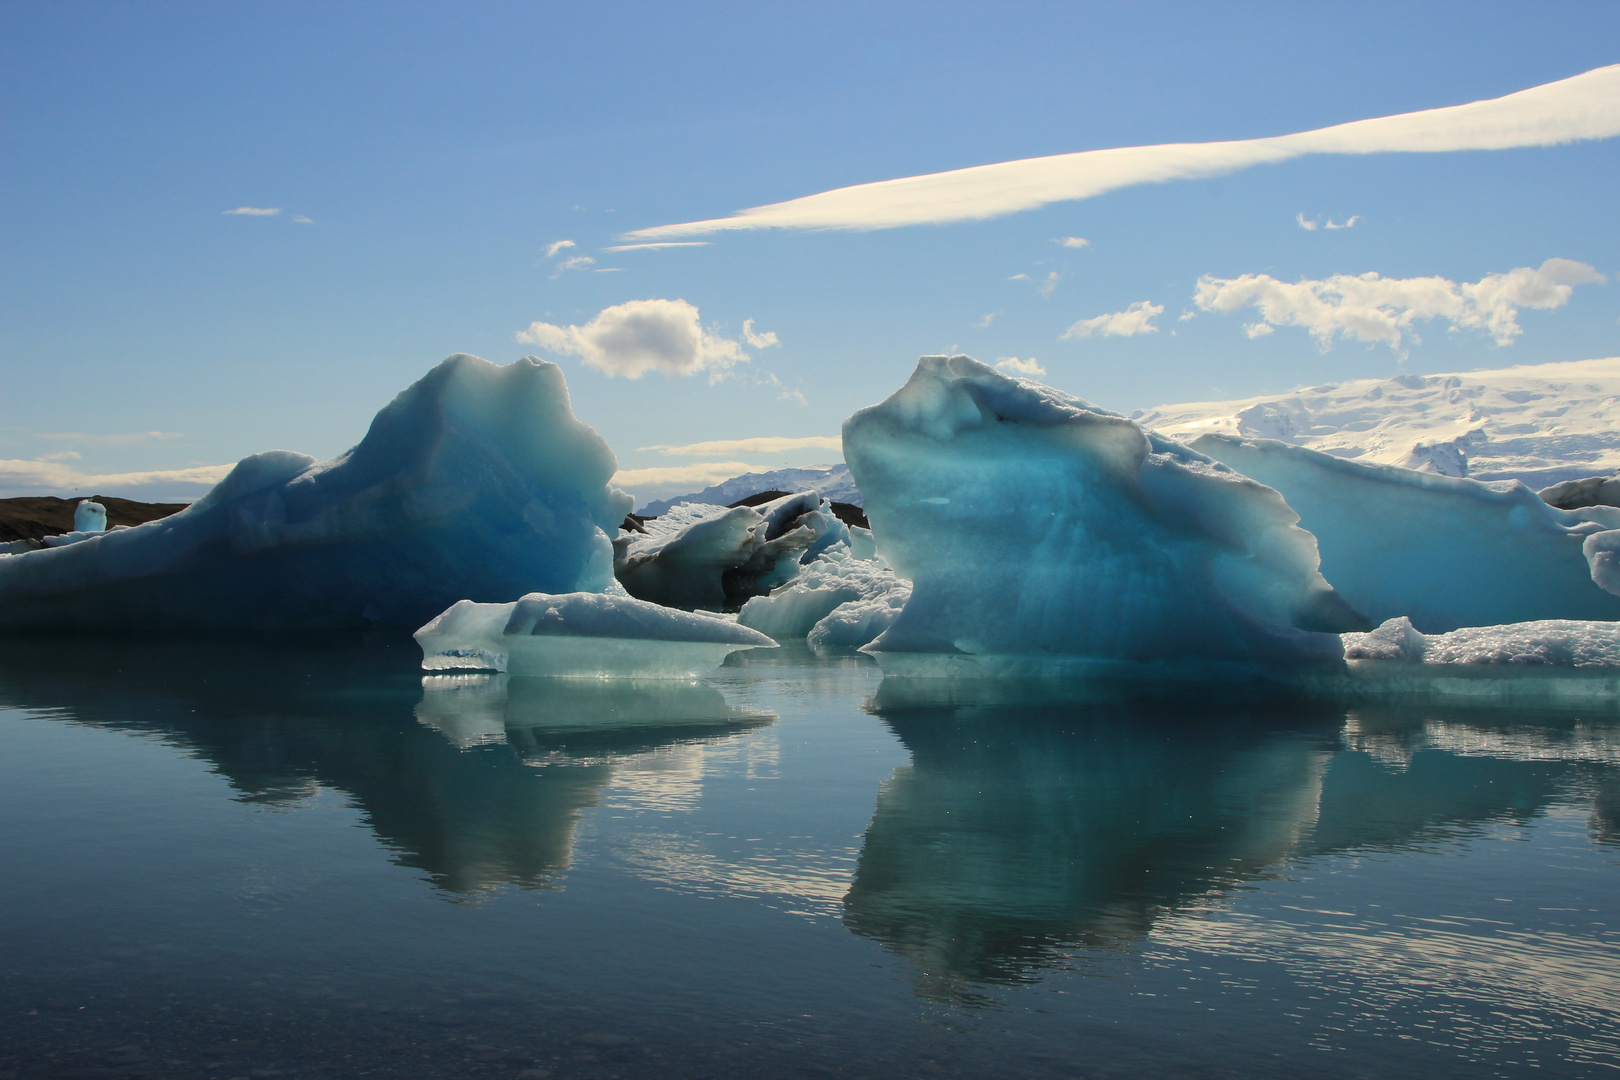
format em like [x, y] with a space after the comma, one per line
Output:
[831, 482]
[1540, 423]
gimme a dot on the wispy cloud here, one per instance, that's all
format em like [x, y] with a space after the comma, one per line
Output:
[300, 219]
[1348, 223]
[1308, 224]
[254, 211]
[1586, 106]
[697, 476]
[1072, 241]
[1030, 367]
[110, 438]
[658, 247]
[795, 396]
[763, 444]
[984, 323]
[758, 341]
[634, 338]
[1135, 319]
[54, 478]
[556, 246]
[575, 262]
[1312, 224]
[1044, 287]
[1380, 310]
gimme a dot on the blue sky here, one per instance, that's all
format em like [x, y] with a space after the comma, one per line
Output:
[438, 151]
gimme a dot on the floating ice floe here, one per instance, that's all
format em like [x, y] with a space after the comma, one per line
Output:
[1445, 551]
[1043, 534]
[837, 600]
[700, 556]
[582, 635]
[475, 482]
[89, 517]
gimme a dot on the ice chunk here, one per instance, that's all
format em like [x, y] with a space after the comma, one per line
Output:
[837, 600]
[1445, 551]
[1042, 533]
[475, 482]
[581, 635]
[1557, 642]
[699, 556]
[89, 517]
[1587, 491]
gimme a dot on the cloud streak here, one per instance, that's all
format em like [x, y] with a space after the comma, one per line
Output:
[254, 211]
[1584, 107]
[54, 478]
[1382, 310]
[763, 444]
[697, 476]
[1135, 319]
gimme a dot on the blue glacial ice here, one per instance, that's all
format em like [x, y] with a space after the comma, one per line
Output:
[838, 600]
[477, 482]
[89, 517]
[1445, 551]
[1043, 534]
[581, 635]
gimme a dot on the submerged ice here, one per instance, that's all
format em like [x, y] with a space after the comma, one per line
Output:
[477, 482]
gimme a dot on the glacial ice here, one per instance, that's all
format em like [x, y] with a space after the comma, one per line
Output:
[701, 556]
[581, 635]
[89, 516]
[1554, 642]
[837, 600]
[1043, 534]
[831, 482]
[475, 482]
[1446, 551]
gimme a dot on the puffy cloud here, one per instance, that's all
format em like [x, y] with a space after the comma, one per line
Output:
[1030, 367]
[1586, 106]
[1072, 241]
[758, 341]
[254, 211]
[54, 478]
[1380, 310]
[1135, 319]
[556, 246]
[763, 444]
[634, 338]
[1257, 329]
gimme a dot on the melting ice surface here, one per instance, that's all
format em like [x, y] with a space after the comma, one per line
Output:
[276, 857]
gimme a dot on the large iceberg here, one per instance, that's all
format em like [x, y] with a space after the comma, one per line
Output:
[838, 600]
[1043, 534]
[700, 556]
[1445, 551]
[477, 482]
[581, 635]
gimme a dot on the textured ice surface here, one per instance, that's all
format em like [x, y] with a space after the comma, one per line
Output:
[475, 482]
[837, 600]
[831, 482]
[581, 635]
[89, 516]
[702, 556]
[1557, 642]
[1042, 533]
[1446, 551]
[1540, 423]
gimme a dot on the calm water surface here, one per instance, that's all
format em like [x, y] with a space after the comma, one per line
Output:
[256, 860]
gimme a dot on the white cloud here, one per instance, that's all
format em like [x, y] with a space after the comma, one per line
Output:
[763, 444]
[658, 247]
[1308, 224]
[1257, 329]
[1043, 287]
[300, 219]
[110, 438]
[1072, 241]
[634, 338]
[575, 262]
[1349, 222]
[254, 211]
[683, 476]
[1380, 310]
[1586, 106]
[556, 246]
[1312, 224]
[795, 396]
[758, 341]
[54, 478]
[1135, 319]
[1030, 367]
[984, 323]
[1187, 315]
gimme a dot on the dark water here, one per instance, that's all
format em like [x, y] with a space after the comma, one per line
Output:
[256, 860]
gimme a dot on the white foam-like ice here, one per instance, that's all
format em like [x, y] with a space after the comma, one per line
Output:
[581, 635]
[837, 600]
[475, 482]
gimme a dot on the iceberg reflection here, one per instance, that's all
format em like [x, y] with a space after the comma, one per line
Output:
[1026, 828]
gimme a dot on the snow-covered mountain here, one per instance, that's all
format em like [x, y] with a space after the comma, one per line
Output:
[832, 481]
[1540, 423]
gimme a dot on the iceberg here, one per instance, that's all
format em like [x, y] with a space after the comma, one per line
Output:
[89, 516]
[581, 635]
[477, 482]
[837, 601]
[1445, 551]
[701, 556]
[1044, 534]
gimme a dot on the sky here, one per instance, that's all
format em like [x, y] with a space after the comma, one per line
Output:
[229, 228]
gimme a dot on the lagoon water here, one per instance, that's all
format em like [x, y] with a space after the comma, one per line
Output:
[268, 860]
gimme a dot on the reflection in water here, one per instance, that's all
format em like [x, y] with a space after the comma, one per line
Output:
[1022, 829]
[485, 790]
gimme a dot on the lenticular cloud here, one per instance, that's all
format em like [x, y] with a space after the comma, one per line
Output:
[1583, 107]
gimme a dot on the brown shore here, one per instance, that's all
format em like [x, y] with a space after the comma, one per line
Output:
[35, 517]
